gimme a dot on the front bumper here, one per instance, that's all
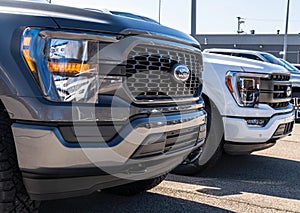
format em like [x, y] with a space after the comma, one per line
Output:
[51, 169]
[238, 131]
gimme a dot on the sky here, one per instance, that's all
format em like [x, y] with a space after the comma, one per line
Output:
[213, 16]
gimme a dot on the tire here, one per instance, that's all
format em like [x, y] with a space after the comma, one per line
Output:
[13, 195]
[212, 150]
[136, 187]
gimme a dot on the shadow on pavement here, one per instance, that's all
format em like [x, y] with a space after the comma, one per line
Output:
[146, 202]
[251, 173]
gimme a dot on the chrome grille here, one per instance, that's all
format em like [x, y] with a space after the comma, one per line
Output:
[273, 91]
[149, 77]
[296, 102]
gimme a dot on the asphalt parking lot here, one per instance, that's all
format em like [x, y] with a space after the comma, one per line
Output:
[266, 181]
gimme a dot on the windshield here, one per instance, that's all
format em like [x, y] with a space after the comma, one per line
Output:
[99, 10]
[289, 65]
[134, 16]
[272, 59]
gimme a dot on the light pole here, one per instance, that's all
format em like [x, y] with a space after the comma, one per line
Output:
[240, 21]
[159, 10]
[194, 18]
[286, 30]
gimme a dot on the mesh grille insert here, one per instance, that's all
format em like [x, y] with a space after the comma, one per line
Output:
[149, 73]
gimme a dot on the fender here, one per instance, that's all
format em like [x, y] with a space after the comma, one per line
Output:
[6, 85]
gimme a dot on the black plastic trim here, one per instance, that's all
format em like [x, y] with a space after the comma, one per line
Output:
[235, 148]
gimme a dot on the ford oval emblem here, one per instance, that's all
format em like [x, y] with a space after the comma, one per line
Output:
[181, 73]
[288, 91]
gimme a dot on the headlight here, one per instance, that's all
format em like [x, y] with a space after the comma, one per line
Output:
[65, 64]
[245, 87]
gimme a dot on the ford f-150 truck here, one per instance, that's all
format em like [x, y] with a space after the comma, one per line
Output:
[92, 101]
[267, 57]
[248, 106]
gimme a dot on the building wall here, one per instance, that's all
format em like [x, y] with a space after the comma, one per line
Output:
[267, 43]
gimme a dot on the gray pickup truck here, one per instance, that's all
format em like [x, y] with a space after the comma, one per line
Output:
[92, 101]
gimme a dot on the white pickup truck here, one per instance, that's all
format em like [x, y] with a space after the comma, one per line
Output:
[248, 106]
[267, 57]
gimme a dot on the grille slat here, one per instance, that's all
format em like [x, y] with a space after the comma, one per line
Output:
[173, 140]
[167, 142]
[180, 145]
[155, 65]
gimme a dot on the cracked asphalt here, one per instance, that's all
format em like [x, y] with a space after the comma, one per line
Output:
[266, 181]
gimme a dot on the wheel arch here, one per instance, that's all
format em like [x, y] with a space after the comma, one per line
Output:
[215, 134]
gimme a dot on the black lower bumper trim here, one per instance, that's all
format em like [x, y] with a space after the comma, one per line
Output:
[62, 173]
[40, 189]
[246, 148]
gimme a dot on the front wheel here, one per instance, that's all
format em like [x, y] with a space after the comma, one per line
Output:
[14, 197]
[208, 155]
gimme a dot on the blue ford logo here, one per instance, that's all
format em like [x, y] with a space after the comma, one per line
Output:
[181, 73]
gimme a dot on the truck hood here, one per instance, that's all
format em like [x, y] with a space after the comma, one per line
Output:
[80, 19]
[242, 64]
